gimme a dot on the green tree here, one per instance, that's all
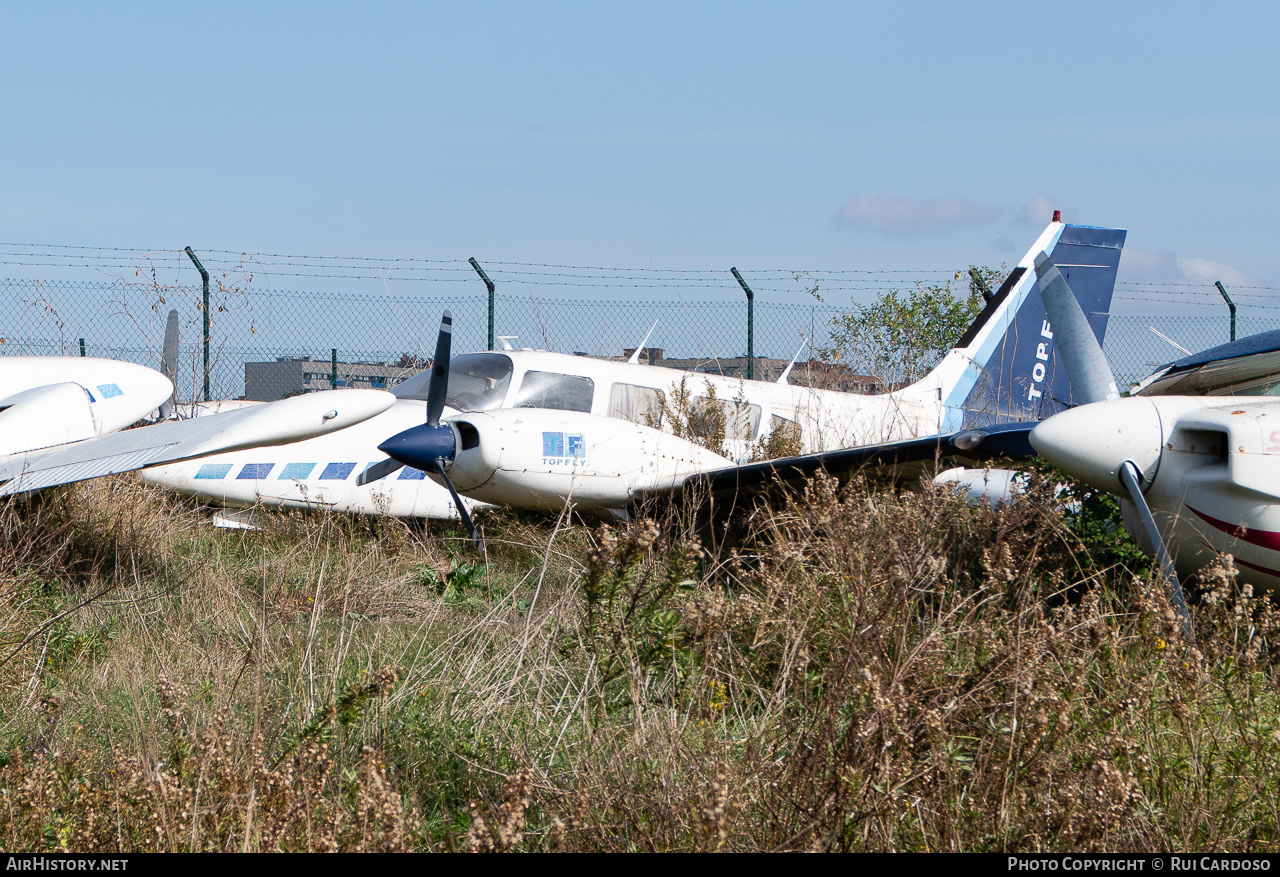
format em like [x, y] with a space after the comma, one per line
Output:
[899, 337]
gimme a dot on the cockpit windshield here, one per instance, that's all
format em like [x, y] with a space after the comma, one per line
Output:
[477, 382]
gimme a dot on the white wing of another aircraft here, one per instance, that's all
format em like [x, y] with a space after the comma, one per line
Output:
[59, 417]
[52, 400]
[288, 420]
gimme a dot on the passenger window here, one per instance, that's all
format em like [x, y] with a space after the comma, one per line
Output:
[741, 420]
[555, 391]
[642, 405]
[785, 438]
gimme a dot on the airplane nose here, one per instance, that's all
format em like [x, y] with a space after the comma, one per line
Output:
[421, 446]
[1092, 442]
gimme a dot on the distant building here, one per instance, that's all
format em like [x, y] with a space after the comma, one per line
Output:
[766, 369]
[834, 376]
[651, 355]
[813, 373]
[292, 376]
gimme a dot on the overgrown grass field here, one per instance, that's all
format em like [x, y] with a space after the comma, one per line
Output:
[863, 670]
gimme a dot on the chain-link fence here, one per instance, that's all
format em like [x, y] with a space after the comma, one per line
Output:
[1137, 345]
[123, 320]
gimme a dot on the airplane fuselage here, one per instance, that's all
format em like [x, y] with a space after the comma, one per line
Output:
[318, 473]
[596, 429]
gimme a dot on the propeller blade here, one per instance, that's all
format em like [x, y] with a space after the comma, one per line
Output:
[462, 510]
[1129, 478]
[169, 362]
[1062, 439]
[440, 371]
[427, 447]
[378, 471]
[1082, 356]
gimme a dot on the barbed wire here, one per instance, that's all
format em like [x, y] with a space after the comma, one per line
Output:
[268, 268]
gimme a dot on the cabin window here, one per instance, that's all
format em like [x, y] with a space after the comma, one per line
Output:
[740, 420]
[555, 391]
[477, 382]
[337, 471]
[785, 438]
[642, 405]
[296, 471]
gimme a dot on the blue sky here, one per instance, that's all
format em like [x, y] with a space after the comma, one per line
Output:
[806, 135]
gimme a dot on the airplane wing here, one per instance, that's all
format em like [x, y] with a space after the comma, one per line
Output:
[276, 423]
[970, 446]
[1245, 367]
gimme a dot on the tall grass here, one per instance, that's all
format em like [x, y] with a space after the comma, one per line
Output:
[867, 670]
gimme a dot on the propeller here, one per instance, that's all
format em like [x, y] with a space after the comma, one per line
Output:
[1082, 356]
[437, 390]
[1060, 439]
[169, 362]
[426, 447]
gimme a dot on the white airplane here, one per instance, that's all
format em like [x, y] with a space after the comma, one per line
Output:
[539, 429]
[1198, 473]
[59, 421]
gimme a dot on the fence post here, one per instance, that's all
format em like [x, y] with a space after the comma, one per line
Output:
[82, 347]
[333, 368]
[488, 285]
[1231, 305]
[204, 281]
[751, 324]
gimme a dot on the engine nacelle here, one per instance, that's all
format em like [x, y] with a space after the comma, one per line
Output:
[535, 458]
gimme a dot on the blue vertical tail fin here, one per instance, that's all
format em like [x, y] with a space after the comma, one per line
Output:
[1005, 369]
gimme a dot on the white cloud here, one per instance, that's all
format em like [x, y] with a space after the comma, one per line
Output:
[894, 214]
[1037, 212]
[1149, 265]
[1154, 266]
[1207, 271]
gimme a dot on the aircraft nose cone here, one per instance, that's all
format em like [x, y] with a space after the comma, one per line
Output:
[421, 446]
[1091, 442]
[151, 384]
